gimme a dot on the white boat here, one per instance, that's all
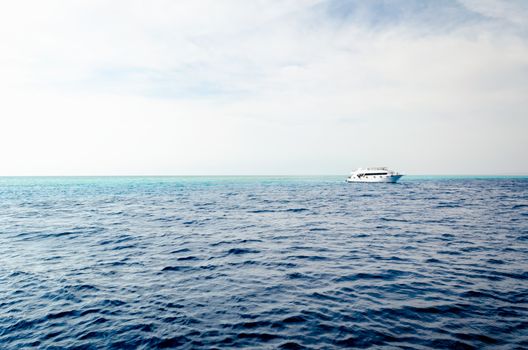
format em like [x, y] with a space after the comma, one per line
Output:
[377, 174]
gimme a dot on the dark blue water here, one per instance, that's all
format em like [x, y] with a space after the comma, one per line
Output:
[263, 263]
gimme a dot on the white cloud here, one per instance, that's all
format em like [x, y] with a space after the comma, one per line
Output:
[513, 11]
[129, 87]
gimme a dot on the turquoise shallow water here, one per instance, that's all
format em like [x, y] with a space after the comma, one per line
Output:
[263, 262]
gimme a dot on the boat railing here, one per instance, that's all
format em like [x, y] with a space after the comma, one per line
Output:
[378, 168]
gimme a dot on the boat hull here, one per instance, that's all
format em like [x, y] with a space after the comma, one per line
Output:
[384, 179]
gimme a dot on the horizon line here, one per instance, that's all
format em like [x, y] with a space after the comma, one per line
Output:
[257, 175]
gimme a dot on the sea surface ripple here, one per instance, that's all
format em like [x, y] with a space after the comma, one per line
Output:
[263, 262]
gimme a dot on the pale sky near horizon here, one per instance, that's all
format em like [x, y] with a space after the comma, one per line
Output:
[218, 87]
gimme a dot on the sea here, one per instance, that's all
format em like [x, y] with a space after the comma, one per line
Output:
[263, 263]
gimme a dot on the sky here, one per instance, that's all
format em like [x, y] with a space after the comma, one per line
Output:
[263, 87]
